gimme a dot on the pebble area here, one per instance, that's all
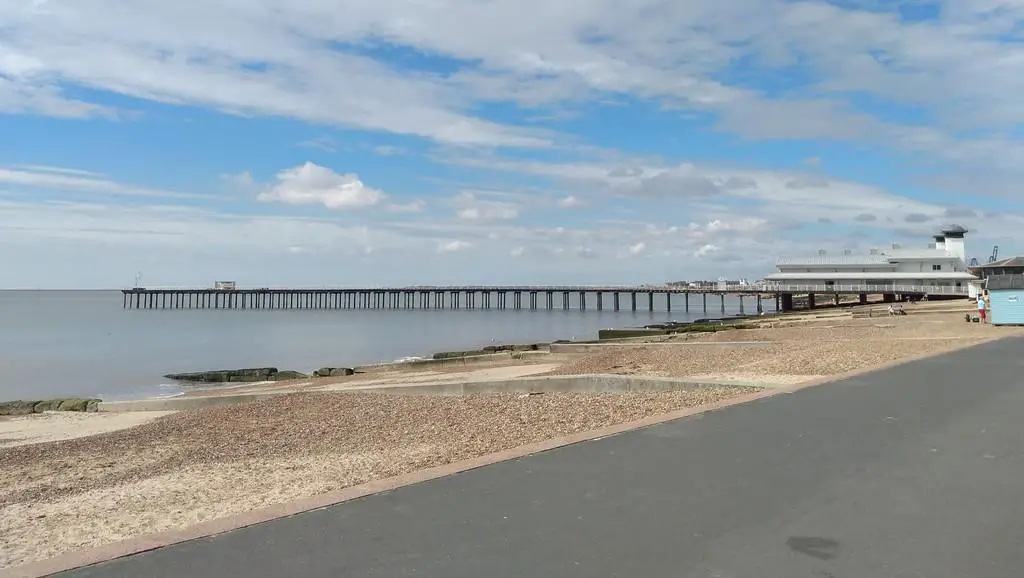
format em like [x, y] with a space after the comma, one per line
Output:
[193, 466]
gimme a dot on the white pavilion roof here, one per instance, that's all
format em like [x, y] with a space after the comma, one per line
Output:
[870, 276]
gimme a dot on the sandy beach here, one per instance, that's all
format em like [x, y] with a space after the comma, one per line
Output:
[71, 481]
[67, 425]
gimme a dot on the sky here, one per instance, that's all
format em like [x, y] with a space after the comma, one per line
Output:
[342, 143]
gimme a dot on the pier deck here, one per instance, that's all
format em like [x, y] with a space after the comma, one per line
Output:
[502, 297]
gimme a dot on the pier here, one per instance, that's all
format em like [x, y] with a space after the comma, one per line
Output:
[463, 297]
[532, 298]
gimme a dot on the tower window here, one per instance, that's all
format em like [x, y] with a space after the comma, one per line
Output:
[936, 267]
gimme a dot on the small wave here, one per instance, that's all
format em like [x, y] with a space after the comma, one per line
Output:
[409, 358]
[169, 395]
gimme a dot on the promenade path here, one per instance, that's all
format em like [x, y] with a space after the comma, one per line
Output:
[914, 471]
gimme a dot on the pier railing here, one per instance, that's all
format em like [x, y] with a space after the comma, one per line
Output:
[896, 288]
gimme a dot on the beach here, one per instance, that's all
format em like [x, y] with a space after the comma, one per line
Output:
[69, 482]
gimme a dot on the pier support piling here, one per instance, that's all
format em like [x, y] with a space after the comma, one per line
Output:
[785, 302]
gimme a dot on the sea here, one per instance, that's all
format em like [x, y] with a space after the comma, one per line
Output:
[84, 344]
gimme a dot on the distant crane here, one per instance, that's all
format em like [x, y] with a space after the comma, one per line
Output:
[995, 254]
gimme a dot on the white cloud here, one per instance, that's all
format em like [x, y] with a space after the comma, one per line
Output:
[487, 213]
[706, 250]
[283, 59]
[741, 225]
[453, 246]
[387, 150]
[415, 206]
[242, 58]
[58, 170]
[469, 207]
[180, 245]
[173, 228]
[792, 196]
[311, 184]
[73, 180]
[657, 231]
[570, 202]
[19, 97]
[637, 248]
[325, 143]
[242, 180]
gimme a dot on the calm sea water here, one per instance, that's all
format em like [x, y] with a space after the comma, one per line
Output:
[82, 343]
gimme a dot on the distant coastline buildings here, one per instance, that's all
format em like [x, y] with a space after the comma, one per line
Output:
[938, 269]
[1008, 266]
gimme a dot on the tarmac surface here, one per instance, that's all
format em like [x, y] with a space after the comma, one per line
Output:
[913, 471]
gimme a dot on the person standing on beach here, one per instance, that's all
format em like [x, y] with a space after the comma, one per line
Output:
[981, 308]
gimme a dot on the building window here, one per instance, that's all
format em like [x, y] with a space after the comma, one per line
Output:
[936, 267]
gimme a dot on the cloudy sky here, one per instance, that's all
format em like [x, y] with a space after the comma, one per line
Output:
[345, 142]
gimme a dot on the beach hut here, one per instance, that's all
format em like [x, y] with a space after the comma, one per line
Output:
[1006, 299]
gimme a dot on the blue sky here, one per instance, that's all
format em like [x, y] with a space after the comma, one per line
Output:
[319, 143]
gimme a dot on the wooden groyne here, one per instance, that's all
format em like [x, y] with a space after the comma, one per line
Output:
[468, 297]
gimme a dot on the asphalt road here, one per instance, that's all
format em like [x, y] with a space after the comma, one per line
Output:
[915, 471]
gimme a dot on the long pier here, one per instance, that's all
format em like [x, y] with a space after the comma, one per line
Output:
[522, 297]
[465, 297]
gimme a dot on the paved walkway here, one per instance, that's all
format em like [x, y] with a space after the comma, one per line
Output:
[915, 471]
